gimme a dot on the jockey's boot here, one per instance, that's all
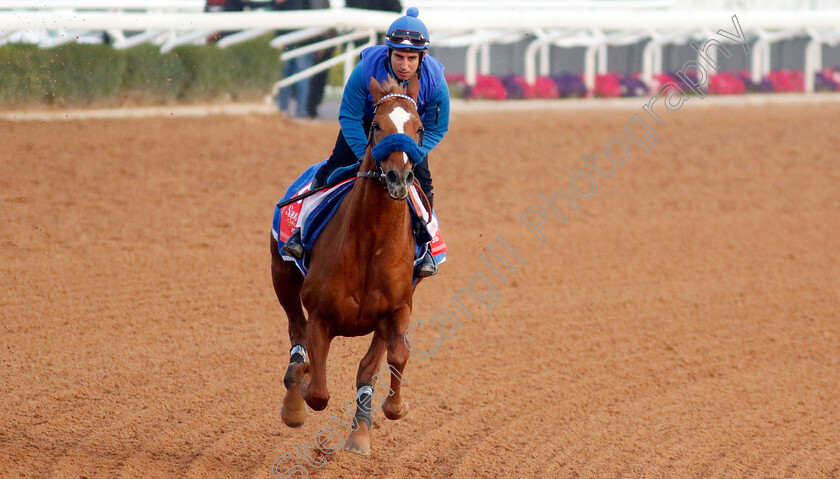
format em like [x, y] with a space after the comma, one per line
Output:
[294, 245]
[320, 179]
[317, 183]
[427, 266]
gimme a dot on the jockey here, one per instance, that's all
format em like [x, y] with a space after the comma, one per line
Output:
[403, 55]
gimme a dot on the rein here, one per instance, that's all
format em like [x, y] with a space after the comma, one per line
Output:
[370, 174]
[392, 142]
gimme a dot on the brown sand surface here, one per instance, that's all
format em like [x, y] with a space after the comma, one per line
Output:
[684, 322]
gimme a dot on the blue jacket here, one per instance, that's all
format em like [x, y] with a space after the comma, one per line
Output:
[357, 103]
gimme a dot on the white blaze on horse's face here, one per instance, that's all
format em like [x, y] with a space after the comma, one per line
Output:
[391, 119]
[399, 116]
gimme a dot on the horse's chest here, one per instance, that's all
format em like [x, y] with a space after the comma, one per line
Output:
[356, 309]
[360, 315]
[374, 302]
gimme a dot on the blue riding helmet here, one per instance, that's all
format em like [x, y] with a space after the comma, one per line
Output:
[408, 33]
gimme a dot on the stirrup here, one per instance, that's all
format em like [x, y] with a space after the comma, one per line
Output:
[427, 266]
[293, 246]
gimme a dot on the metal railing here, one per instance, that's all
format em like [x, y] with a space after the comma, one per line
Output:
[551, 24]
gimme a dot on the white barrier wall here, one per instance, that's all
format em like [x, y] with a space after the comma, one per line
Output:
[470, 25]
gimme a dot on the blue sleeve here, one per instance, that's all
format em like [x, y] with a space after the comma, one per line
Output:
[351, 113]
[436, 121]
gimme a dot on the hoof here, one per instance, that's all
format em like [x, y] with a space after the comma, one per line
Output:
[293, 411]
[296, 373]
[394, 412]
[316, 399]
[358, 442]
[318, 403]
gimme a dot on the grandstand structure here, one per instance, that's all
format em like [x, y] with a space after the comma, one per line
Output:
[532, 37]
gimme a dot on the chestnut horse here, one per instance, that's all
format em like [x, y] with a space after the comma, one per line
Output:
[360, 275]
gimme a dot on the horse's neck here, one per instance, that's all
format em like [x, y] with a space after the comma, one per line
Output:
[374, 215]
[373, 205]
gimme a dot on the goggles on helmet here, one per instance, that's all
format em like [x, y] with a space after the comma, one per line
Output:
[405, 37]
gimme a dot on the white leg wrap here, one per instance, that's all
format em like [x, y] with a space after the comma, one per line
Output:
[298, 349]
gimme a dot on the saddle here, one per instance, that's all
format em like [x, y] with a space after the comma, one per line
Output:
[322, 206]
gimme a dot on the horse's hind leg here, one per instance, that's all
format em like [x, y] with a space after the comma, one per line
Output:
[287, 282]
[359, 440]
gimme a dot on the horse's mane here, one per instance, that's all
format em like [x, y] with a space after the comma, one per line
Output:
[393, 86]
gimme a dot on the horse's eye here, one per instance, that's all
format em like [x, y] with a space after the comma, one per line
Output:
[375, 127]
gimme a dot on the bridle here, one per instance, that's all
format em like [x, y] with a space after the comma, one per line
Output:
[372, 143]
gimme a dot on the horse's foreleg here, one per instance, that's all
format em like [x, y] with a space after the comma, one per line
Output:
[359, 440]
[398, 354]
[314, 387]
[370, 362]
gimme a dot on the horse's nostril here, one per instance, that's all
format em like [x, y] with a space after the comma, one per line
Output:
[391, 177]
[409, 178]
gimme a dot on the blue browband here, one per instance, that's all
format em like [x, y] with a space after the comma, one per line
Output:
[397, 142]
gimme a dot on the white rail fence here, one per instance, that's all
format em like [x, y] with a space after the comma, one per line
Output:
[471, 25]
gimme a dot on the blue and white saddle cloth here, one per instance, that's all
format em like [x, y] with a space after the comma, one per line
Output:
[321, 207]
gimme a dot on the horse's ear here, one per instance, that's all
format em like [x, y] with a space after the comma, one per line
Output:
[413, 87]
[376, 90]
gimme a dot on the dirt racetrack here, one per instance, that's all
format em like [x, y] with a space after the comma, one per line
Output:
[683, 323]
